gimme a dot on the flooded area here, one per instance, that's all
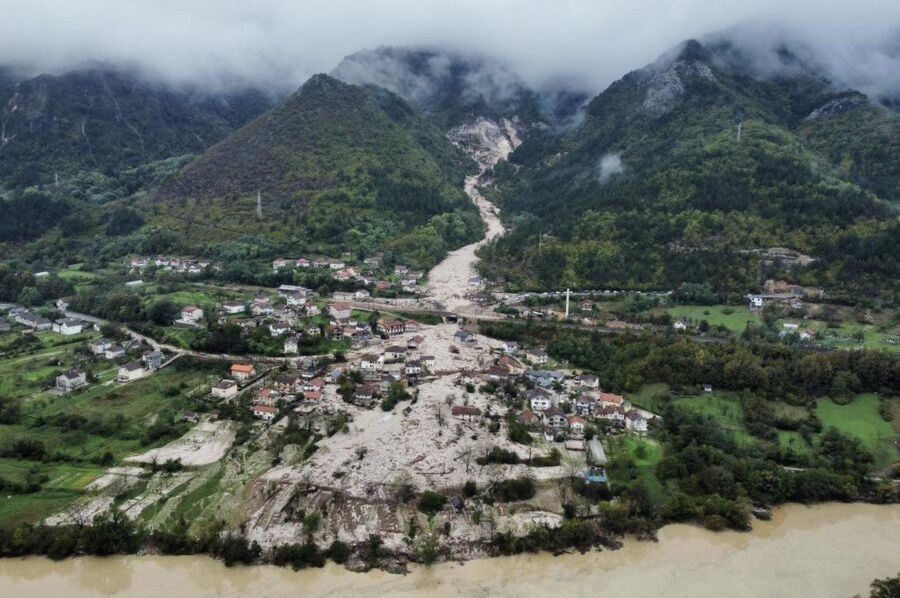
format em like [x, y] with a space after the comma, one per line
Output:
[823, 551]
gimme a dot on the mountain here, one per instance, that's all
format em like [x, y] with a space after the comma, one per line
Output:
[455, 89]
[683, 170]
[335, 166]
[106, 119]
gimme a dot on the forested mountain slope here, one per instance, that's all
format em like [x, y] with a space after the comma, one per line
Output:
[682, 168]
[106, 119]
[334, 167]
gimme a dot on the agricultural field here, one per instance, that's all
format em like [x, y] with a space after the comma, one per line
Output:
[57, 445]
[860, 418]
[733, 317]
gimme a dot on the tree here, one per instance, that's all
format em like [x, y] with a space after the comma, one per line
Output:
[162, 312]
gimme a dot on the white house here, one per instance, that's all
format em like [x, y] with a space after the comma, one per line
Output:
[264, 412]
[191, 313]
[130, 371]
[756, 301]
[541, 402]
[225, 389]
[635, 421]
[371, 362]
[510, 347]
[291, 345]
[234, 307]
[680, 326]
[537, 356]
[100, 346]
[71, 380]
[279, 328]
[340, 311]
[67, 326]
[114, 352]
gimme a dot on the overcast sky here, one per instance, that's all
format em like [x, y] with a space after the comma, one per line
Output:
[281, 42]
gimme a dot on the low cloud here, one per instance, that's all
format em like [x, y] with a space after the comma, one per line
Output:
[279, 43]
[609, 166]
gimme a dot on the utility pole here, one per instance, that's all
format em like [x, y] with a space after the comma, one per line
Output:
[259, 205]
[740, 124]
[568, 292]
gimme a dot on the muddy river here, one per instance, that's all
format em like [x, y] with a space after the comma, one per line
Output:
[827, 550]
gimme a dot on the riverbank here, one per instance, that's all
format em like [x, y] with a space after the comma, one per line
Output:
[824, 550]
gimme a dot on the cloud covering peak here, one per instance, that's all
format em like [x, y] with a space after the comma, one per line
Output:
[279, 43]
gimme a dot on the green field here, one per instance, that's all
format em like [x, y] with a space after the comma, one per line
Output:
[861, 419]
[736, 320]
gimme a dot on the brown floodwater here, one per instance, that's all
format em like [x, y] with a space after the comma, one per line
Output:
[825, 550]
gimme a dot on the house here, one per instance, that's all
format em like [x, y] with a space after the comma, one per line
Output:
[114, 352]
[242, 371]
[589, 381]
[497, 374]
[401, 270]
[587, 305]
[410, 326]
[413, 367]
[371, 362]
[340, 310]
[294, 299]
[361, 295]
[312, 330]
[555, 418]
[132, 284]
[31, 320]
[234, 307]
[130, 371]
[62, 305]
[577, 425]
[466, 413]
[342, 296]
[546, 378]
[756, 301]
[333, 375]
[610, 399]
[390, 326]
[279, 328]
[428, 362]
[262, 305]
[464, 336]
[510, 347]
[312, 395]
[680, 326]
[291, 345]
[264, 412]
[287, 383]
[224, 389]
[303, 263]
[807, 334]
[67, 326]
[191, 313]
[612, 414]
[153, 359]
[635, 421]
[280, 263]
[71, 380]
[365, 392]
[538, 399]
[476, 282]
[314, 385]
[537, 356]
[100, 346]
[394, 353]
[415, 342]
[337, 265]
[527, 418]
[585, 405]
